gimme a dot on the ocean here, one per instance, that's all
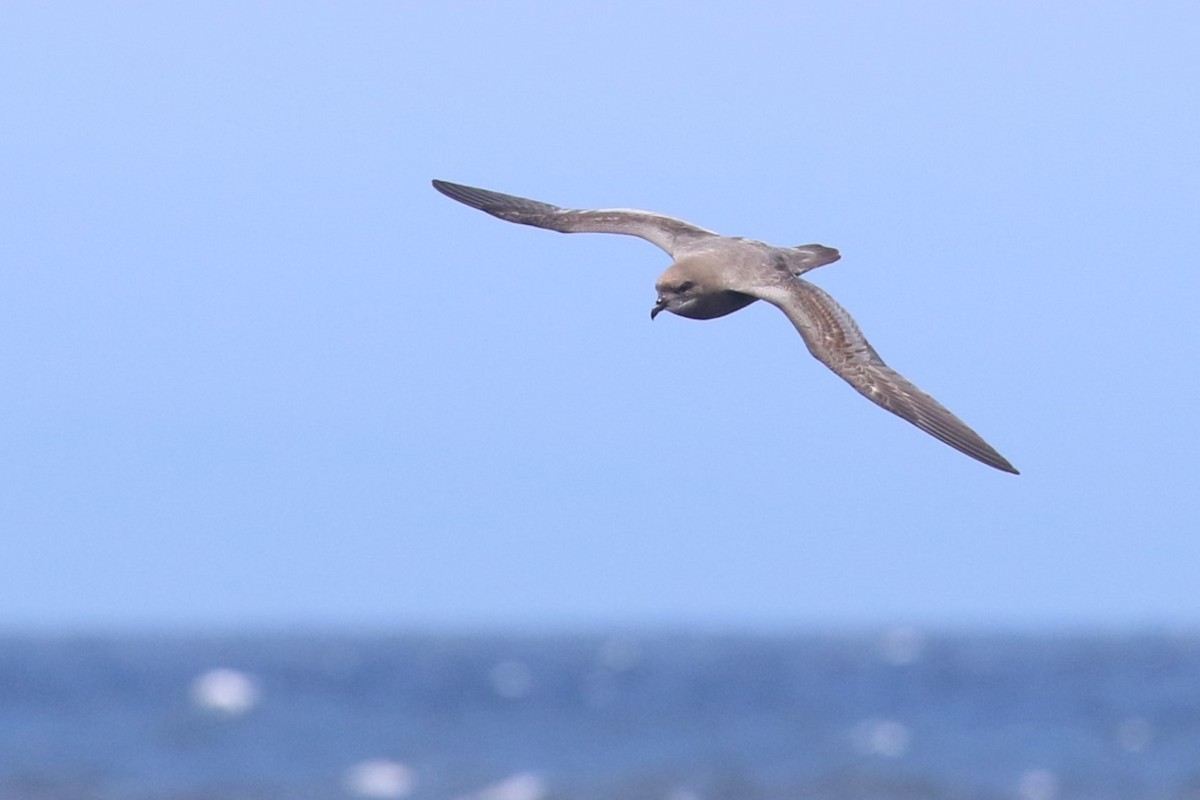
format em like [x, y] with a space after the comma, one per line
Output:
[631, 716]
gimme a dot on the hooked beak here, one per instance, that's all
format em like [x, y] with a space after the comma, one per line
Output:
[659, 305]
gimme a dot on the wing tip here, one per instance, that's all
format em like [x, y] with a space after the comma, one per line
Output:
[455, 191]
[979, 450]
[493, 203]
[1004, 466]
[505, 206]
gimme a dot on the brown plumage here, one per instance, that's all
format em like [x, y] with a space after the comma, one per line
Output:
[715, 275]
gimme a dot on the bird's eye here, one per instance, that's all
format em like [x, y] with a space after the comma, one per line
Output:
[686, 286]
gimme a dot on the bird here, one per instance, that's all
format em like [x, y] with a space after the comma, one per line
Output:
[714, 275]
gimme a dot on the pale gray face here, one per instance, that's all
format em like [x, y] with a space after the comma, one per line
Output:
[676, 297]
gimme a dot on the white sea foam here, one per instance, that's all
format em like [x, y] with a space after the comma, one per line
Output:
[225, 691]
[881, 737]
[380, 778]
[1037, 784]
[519, 786]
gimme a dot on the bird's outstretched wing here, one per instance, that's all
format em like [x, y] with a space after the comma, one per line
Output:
[835, 340]
[667, 233]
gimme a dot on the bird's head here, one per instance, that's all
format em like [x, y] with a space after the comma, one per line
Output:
[677, 292]
[696, 290]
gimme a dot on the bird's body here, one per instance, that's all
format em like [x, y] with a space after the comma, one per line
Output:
[714, 275]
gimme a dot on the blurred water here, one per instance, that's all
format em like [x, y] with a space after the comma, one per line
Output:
[661, 717]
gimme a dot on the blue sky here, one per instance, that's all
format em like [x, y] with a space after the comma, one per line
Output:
[257, 372]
